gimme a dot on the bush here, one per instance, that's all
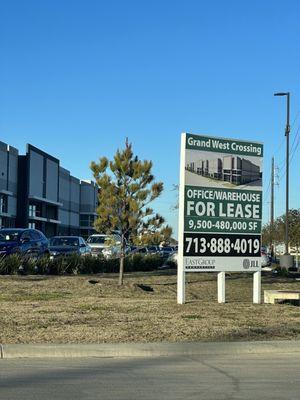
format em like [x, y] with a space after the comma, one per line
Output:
[171, 264]
[75, 264]
[65, 265]
[134, 262]
[90, 265]
[42, 265]
[10, 265]
[281, 271]
[28, 266]
[140, 262]
[109, 265]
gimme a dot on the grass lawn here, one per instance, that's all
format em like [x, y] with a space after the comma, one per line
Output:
[71, 309]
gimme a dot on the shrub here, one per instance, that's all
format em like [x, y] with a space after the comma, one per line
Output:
[28, 266]
[89, 265]
[10, 265]
[65, 265]
[171, 264]
[281, 271]
[134, 262]
[43, 265]
[140, 262]
[153, 261]
[111, 265]
[74, 263]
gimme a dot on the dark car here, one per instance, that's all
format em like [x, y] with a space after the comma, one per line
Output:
[153, 249]
[166, 251]
[66, 245]
[140, 250]
[29, 243]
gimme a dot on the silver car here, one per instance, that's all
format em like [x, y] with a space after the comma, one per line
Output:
[105, 245]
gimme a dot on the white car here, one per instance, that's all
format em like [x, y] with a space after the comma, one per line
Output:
[170, 261]
[265, 262]
[106, 245]
[174, 257]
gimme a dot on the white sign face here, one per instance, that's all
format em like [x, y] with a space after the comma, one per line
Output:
[220, 206]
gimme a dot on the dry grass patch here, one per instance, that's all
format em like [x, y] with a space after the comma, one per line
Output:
[88, 309]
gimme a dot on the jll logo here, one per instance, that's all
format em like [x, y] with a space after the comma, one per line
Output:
[250, 263]
[254, 264]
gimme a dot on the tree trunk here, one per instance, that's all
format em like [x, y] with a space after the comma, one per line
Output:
[122, 259]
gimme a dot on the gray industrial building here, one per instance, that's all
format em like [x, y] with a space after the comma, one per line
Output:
[8, 185]
[36, 192]
[229, 168]
[88, 204]
[239, 170]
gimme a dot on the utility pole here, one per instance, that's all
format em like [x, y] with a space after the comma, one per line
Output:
[272, 208]
[287, 260]
[287, 134]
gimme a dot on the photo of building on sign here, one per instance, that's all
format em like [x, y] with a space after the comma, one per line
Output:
[231, 169]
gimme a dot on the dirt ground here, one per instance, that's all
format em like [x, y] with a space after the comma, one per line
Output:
[93, 309]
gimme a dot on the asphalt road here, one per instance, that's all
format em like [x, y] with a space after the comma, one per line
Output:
[264, 376]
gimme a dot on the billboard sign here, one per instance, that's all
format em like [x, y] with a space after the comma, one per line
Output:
[220, 206]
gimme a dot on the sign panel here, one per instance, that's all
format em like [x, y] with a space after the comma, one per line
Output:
[220, 206]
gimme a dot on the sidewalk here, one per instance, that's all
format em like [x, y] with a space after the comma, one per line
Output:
[106, 350]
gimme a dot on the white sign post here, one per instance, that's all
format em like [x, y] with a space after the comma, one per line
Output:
[220, 207]
[221, 287]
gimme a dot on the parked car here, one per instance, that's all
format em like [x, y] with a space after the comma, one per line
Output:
[106, 245]
[173, 258]
[153, 249]
[66, 245]
[131, 248]
[166, 251]
[171, 261]
[28, 243]
[265, 260]
[162, 251]
[141, 250]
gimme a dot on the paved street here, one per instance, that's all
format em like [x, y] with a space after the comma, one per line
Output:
[264, 376]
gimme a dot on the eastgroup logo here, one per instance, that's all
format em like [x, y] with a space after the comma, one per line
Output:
[200, 262]
[246, 263]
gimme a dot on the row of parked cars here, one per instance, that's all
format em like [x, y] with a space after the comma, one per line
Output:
[33, 243]
[110, 246]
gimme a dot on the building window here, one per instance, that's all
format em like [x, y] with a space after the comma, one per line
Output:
[35, 210]
[87, 220]
[3, 203]
[31, 225]
[32, 210]
[84, 220]
[51, 212]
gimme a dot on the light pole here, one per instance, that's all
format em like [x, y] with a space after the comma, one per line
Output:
[287, 260]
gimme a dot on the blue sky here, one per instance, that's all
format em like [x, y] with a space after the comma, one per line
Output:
[78, 77]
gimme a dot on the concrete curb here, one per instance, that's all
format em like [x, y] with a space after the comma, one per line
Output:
[106, 350]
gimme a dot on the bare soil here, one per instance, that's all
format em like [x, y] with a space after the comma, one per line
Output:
[94, 309]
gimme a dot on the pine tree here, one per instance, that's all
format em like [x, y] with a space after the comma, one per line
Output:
[126, 188]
